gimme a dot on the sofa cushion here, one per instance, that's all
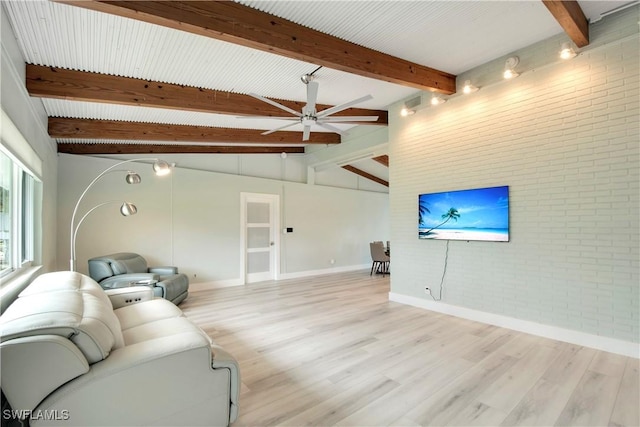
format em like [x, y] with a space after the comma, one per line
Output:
[65, 281]
[134, 264]
[134, 315]
[174, 326]
[67, 304]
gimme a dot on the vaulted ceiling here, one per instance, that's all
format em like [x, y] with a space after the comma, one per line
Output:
[185, 76]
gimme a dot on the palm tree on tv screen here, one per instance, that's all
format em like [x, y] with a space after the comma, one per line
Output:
[452, 213]
[422, 210]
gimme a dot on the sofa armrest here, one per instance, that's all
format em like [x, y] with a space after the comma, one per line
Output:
[33, 367]
[224, 360]
[164, 270]
[126, 280]
[170, 376]
[131, 295]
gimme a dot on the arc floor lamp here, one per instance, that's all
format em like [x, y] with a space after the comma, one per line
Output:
[160, 168]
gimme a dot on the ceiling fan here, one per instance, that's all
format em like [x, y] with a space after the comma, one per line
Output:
[309, 116]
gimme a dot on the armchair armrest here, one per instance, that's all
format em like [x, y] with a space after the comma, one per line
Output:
[164, 270]
[126, 280]
[131, 295]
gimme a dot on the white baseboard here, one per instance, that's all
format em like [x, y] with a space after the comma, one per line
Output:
[611, 345]
[203, 286]
[308, 273]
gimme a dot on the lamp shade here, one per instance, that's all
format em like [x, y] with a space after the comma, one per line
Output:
[128, 209]
[161, 168]
[133, 178]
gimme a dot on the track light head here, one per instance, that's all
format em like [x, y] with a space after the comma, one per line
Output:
[468, 87]
[566, 51]
[509, 68]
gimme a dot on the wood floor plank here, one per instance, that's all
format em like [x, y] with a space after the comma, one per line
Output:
[507, 390]
[342, 404]
[462, 391]
[478, 414]
[333, 350]
[542, 406]
[626, 411]
[592, 402]
[608, 364]
[544, 403]
[392, 408]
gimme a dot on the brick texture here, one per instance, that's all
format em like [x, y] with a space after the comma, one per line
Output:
[565, 138]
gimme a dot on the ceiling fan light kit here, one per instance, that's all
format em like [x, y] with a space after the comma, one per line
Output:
[306, 78]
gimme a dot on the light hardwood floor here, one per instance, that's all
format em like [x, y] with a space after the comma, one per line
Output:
[332, 350]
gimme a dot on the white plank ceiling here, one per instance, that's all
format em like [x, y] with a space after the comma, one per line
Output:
[451, 36]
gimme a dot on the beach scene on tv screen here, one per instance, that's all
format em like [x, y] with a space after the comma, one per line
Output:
[475, 214]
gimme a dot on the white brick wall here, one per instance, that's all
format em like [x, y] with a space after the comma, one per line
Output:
[565, 138]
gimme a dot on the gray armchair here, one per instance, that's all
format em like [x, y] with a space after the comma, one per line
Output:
[126, 269]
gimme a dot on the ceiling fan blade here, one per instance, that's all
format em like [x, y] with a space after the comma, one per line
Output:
[297, 119]
[275, 104]
[312, 96]
[277, 129]
[331, 128]
[306, 133]
[341, 107]
[348, 119]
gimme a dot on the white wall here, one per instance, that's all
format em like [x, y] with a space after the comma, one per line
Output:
[28, 115]
[192, 219]
[564, 137]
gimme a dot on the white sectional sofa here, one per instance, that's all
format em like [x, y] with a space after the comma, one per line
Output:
[75, 354]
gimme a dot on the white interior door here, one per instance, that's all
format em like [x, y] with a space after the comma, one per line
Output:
[261, 243]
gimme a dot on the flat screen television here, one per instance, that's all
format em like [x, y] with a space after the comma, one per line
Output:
[474, 214]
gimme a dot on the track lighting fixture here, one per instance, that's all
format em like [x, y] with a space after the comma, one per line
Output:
[509, 68]
[437, 100]
[566, 51]
[410, 105]
[406, 112]
[468, 87]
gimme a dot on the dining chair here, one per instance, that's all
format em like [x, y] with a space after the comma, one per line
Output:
[380, 260]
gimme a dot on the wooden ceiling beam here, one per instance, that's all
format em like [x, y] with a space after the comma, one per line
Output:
[383, 160]
[93, 149]
[235, 23]
[571, 18]
[366, 175]
[112, 129]
[60, 83]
